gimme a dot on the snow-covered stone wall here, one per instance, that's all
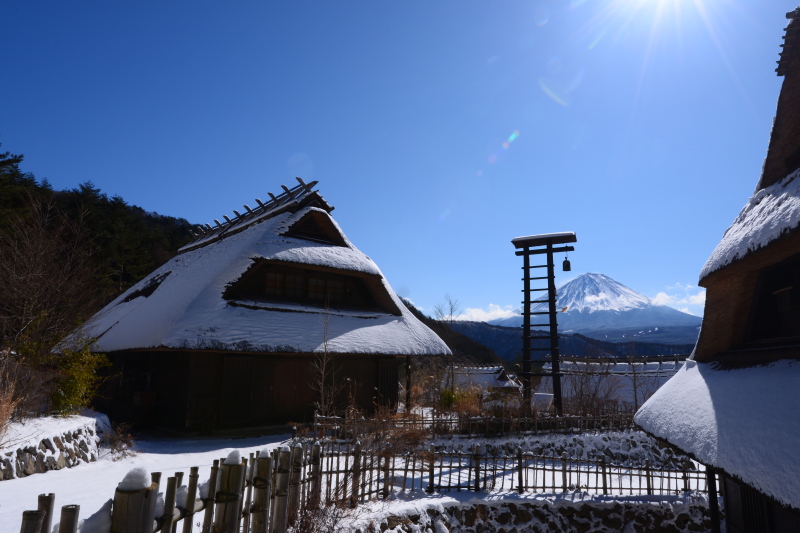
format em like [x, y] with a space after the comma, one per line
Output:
[555, 517]
[40, 445]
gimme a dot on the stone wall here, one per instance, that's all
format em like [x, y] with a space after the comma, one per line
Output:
[554, 517]
[66, 448]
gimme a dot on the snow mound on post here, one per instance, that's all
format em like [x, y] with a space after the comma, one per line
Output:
[234, 458]
[770, 213]
[137, 479]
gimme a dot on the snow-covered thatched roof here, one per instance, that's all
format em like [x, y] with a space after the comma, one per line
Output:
[769, 214]
[743, 421]
[184, 304]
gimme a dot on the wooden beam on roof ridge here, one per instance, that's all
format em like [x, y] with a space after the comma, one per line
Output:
[287, 191]
[274, 198]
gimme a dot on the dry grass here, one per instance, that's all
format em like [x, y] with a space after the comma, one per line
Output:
[8, 405]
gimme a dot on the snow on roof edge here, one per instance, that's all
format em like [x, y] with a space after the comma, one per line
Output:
[742, 421]
[770, 213]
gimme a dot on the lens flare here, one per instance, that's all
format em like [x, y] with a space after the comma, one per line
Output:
[506, 145]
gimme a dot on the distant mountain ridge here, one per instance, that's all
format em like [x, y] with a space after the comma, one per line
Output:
[507, 342]
[597, 305]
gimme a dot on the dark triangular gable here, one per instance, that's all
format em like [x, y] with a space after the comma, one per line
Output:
[317, 227]
[783, 155]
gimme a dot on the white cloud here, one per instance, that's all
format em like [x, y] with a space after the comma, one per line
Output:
[662, 298]
[476, 314]
[698, 299]
[590, 298]
[683, 297]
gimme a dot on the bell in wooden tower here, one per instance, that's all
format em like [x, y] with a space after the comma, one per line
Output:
[566, 265]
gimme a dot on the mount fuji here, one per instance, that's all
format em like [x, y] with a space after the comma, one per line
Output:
[600, 307]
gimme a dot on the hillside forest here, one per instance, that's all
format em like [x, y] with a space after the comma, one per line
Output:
[63, 255]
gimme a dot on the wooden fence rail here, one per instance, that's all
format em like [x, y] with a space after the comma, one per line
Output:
[266, 494]
[489, 426]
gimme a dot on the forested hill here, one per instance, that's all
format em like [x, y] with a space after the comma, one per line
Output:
[465, 350]
[64, 254]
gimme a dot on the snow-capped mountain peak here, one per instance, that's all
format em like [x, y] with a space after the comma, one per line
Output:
[596, 303]
[596, 292]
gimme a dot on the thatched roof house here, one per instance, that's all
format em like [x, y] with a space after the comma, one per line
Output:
[735, 406]
[225, 333]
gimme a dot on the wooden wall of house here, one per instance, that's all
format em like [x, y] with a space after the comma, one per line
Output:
[204, 391]
[730, 300]
[749, 511]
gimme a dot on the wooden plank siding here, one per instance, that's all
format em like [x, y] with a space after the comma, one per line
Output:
[203, 390]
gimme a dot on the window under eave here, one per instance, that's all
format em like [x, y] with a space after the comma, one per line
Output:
[775, 316]
[321, 287]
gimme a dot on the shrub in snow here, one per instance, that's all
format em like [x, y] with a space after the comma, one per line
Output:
[78, 378]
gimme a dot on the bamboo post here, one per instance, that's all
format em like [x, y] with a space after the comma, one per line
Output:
[32, 521]
[251, 472]
[356, 474]
[294, 482]
[647, 477]
[242, 484]
[262, 483]
[208, 515]
[46, 503]
[191, 497]
[134, 510]
[564, 471]
[477, 459]
[713, 503]
[155, 477]
[432, 452]
[521, 482]
[386, 480]
[178, 484]
[603, 468]
[228, 498]
[316, 476]
[169, 504]
[281, 501]
[346, 472]
[69, 519]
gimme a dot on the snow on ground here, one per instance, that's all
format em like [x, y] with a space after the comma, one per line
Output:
[419, 503]
[91, 485]
[32, 431]
[629, 448]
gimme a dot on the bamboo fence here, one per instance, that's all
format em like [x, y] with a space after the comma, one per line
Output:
[266, 494]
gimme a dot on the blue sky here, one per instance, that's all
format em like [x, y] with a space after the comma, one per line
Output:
[439, 130]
